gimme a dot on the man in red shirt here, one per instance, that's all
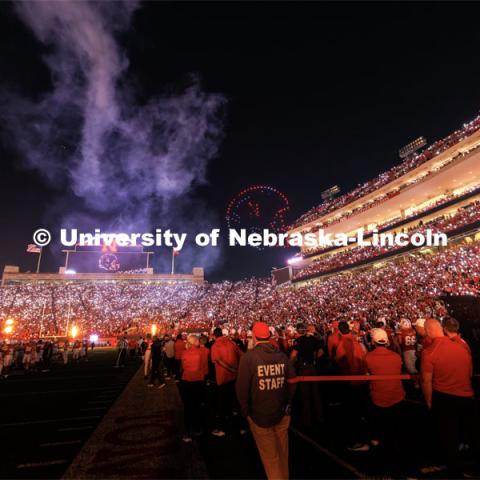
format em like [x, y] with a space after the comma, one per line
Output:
[225, 355]
[179, 348]
[191, 387]
[205, 354]
[386, 395]
[350, 359]
[350, 354]
[333, 341]
[451, 328]
[446, 370]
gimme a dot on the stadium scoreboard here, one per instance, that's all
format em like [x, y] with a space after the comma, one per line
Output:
[106, 258]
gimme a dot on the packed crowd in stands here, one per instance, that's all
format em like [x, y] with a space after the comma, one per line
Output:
[407, 289]
[467, 215]
[409, 164]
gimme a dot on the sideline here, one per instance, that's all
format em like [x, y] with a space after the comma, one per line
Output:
[140, 437]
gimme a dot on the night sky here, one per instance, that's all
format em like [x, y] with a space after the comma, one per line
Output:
[318, 94]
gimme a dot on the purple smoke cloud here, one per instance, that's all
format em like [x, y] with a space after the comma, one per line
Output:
[122, 162]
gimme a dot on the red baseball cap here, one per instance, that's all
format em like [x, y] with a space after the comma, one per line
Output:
[261, 331]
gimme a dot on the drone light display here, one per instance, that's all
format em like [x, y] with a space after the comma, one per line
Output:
[256, 208]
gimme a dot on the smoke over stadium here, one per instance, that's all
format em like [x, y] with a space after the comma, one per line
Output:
[127, 163]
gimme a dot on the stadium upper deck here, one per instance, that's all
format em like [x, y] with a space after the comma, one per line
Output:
[444, 169]
[439, 191]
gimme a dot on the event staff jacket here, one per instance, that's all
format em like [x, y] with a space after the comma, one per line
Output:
[262, 388]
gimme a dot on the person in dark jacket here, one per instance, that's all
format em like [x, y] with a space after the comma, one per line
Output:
[305, 354]
[265, 396]
[157, 363]
[47, 356]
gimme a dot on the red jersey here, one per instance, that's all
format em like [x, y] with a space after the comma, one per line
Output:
[451, 366]
[205, 355]
[407, 337]
[458, 339]
[179, 348]
[332, 343]
[225, 350]
[350, 356]
[192, 363]
[383, 361]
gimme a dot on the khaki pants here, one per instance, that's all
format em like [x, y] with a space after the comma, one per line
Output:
[147, 362]
[272, 444]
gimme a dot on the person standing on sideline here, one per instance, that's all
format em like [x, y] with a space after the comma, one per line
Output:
[350, 359]
[306, 350]
[169, 355]
[191, 386]
[65, 352]
[265, 396]
[205, 354]
[157, 363]
[132, 348]
[147, 356]
[179, 348]
[225, 355]
[386, 395]
[446, 370]
[47, 355]
[122, 352]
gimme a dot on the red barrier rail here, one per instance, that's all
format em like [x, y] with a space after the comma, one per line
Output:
[349, 378]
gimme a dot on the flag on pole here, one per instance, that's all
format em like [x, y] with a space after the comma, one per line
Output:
[32, 248]
[175, 253]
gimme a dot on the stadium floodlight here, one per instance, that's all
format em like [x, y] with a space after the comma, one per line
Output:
[330, 193]
[412, 147]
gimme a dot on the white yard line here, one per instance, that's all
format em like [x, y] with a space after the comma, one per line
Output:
[59, 444]
[71, 429]
[50, 420]
[329, 454]
[41, 464]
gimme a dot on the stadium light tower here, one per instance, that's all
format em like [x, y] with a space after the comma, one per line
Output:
[412, 147]
[330, 193]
